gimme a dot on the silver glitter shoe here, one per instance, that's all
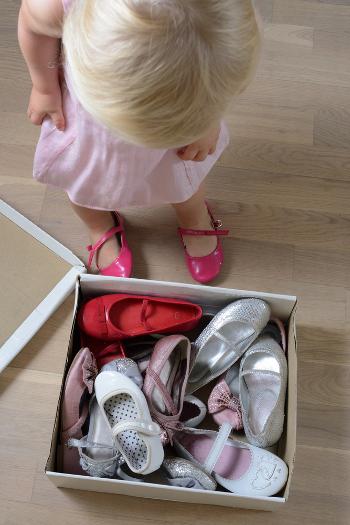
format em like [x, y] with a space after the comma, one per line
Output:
[98, 455]
[226, 338]
[177, 472]
[127, 367]
[263, 384]
[183, 473]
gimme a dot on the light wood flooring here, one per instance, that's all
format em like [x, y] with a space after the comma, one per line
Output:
[283, 189]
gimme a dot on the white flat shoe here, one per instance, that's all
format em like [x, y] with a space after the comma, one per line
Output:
[126, 412]
[262, 385]
[225, 339]
[239, 467]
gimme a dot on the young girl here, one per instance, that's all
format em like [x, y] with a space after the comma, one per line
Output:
[134, 117]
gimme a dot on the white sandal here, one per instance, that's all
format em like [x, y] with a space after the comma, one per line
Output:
[238, 467]
[99, 456]
[126, 412]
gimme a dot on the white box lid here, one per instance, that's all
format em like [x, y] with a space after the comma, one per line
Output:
[37, 273]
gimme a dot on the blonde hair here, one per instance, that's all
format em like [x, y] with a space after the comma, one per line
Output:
[159, 73]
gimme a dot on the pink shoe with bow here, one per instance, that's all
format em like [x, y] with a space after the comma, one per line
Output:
[78, 387]
[206, 268]
[223, 403]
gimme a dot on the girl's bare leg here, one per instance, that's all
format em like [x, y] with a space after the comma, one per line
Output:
[193, 214]
[97, 223]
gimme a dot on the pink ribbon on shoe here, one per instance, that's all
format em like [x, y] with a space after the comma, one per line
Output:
[90, 371]
[221, 398]
[168, 423]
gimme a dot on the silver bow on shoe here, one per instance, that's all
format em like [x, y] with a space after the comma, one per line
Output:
[98, 454]
[226, 338]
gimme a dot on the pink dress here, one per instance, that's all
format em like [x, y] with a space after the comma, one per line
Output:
[99, 170]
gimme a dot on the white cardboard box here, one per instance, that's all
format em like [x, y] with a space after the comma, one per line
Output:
[282, 307]
[44, 272]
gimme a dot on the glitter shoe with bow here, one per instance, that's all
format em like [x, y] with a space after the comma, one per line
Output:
[223, 403]
[98, 454]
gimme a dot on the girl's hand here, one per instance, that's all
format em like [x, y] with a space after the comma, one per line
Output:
[199, 150]
[46, 104]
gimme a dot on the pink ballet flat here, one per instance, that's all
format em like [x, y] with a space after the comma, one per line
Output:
[122, 265]
[78, 388]
[165, 383]
[205, 269]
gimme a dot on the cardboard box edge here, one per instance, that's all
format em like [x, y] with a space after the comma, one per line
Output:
[36, 319]
[122, 487]
[293, 429]
[40, 235]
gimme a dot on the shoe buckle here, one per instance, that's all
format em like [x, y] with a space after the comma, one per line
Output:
[217, 223]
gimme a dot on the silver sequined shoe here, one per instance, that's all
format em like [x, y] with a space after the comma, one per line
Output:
[263, 383]
[183, 473]
[98, 455]
[226, 338]
[127, 367]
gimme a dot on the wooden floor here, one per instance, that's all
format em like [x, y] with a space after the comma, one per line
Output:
[283, 188]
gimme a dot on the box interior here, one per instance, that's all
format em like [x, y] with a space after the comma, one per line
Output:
[211, 299]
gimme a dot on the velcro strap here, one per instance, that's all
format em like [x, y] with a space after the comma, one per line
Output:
[149, 429]
[218, 447]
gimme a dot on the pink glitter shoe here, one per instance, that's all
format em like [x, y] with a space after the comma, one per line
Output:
[223, 403]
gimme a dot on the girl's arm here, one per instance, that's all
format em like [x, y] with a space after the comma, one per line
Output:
[39, 32]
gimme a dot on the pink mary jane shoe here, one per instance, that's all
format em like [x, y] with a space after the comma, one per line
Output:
[122, 265]
[204, 269]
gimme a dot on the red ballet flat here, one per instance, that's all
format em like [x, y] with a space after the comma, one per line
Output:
[120, 316]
